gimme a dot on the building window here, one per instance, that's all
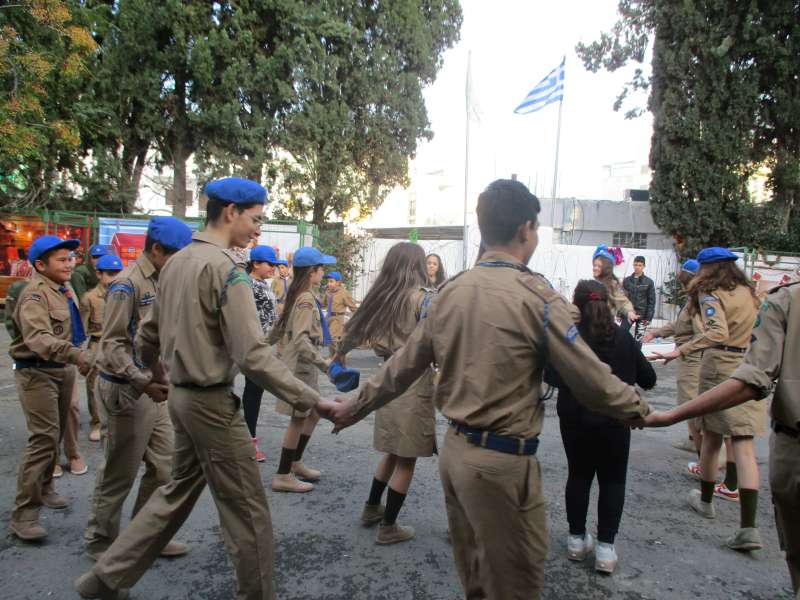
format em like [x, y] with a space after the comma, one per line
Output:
[629, 240]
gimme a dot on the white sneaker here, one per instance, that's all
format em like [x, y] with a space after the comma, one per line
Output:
[605, 558]
[578, 546]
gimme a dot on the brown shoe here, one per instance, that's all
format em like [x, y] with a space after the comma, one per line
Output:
[304, 472]
[372, 513]
[394, 533]
[289, 483]
[77, 466]
[94, 434]
[57, 471]
[90, 585]
[174, 548]
[51, 499]
[29, 531]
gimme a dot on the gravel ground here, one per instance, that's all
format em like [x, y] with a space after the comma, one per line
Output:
[323, 552]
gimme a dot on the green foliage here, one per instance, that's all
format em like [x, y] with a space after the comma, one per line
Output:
[672, 291]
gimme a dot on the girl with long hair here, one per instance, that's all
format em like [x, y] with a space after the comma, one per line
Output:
[435, 270]
[618, 302]
[303, 332]
[726, 301]
[405, 428]
[597, 445]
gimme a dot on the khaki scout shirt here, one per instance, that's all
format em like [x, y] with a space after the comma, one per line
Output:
[339, 302]
[204, 324]
[491, 330]
[128, 301]
[728, 318]
[43, 321]
[302, 336]
[83, 279]
[618, 302]
[774, 354]
[92, 306]
[280, 287]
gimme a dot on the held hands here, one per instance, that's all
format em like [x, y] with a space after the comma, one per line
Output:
[84, 365]
[156, 390]
[667, 357]
[654, 419]
[632, 316]
[339, 411]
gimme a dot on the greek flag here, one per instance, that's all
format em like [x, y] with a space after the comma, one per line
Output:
[548, 90]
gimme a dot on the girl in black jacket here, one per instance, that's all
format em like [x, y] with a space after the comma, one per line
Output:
[596, 444]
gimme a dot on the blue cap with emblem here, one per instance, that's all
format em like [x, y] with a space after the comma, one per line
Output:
[266, 254]
[309, 257]
[109, 262]
[335, 275]
[46, 243]
[98, 250]
[169, 232]
[236, 191]
[690, 266]
[602, 252]
[715, 254]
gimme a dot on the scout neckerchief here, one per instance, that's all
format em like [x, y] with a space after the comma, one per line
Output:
[327, 340]
[78, 333]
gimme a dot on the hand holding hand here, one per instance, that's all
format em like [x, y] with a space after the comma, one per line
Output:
[340, 358]
[157, 391]
[667, 357]
[342, 413]
[84, 365]
[632, 316]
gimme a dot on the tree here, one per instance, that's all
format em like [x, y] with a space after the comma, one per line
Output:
[44, 50]
[347, 139]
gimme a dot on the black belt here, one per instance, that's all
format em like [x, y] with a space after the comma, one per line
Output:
[333, 314]
[494, 441]
[38, 364]
[94, 338]
[731, 349]
[112, 379]
[192, 386]
[778, 428]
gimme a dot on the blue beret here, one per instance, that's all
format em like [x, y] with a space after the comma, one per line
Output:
[109, 262]
[602, 252]
[715, 254]
[46, 243]
[169, 232]
[98, 250]
[266, 254]
[690, 266]
[236, 191]
[309, 257]
[334, 275]
[344, 379]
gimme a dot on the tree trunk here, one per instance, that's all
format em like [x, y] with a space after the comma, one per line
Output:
[179, 150]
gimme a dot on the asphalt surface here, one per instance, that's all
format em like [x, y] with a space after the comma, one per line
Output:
[323, 552]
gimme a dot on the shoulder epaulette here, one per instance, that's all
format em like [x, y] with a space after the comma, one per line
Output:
[785, 285]
[234, 257]
[539, 286]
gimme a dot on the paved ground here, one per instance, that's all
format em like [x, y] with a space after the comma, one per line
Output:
[323, 552]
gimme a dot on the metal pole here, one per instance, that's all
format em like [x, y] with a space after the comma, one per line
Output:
[466, 161]
[555, 174]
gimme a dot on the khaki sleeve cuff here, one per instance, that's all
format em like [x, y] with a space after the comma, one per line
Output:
[139, 381]
[755, 378]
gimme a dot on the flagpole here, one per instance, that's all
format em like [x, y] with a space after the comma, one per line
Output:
[465, 239]
[555, 173]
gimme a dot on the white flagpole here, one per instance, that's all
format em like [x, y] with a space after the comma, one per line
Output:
[466, 160]
[555, 170]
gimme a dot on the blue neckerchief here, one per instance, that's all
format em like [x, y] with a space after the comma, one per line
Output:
[330, 305]
[327, 340]
[78, 333]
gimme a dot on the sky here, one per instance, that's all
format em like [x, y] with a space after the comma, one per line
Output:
[513, 45]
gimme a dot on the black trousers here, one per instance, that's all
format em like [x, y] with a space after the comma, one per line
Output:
[601, 451]
[251, 402]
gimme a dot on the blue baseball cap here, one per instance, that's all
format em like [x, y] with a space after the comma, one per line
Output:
[266, 254]
[690, 266]
[98, 250]
[236, 191]
[46, 243]
[169, 232]
[308, 257]
[334, 275]
[602, 252]
[715, 254]
[109, 262]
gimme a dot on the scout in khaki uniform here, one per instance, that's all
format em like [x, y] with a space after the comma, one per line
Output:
[338, 301]
[93, 304]
[405, 429]
[281, 284]
[203, 323]
[618, 302]
[47, 343]
[491, 330]
[136, 424]
[85, 277]
[303, 332]
[12, 295]
[721, 294]
[771, 364]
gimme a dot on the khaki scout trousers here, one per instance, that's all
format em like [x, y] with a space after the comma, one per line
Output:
[91, 383]
[784, 481]
[134, 430]
[212, 445]
[496, 514]
[46, 397]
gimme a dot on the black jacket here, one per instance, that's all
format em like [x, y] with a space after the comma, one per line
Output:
[624, 355]
[641, 291]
